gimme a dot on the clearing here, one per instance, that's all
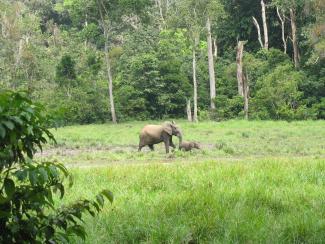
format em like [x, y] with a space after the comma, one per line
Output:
[256, 182]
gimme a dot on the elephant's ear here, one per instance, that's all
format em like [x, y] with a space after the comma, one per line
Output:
[168, 128]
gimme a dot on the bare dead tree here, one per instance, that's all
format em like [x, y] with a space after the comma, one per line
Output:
[266, 36]
[294, 38]
[189, 110]
[215, 48]
[161, 15]
[239, 61]
[246, 94]
[211, 66]
[107, 60]
[258, 31]
[195, 117]
[282, 19]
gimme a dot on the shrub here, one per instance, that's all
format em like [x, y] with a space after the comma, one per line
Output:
[27, 210]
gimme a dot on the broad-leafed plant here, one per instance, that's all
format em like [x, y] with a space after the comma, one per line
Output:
[28, 213]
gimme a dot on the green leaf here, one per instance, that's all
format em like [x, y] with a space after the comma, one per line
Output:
[100, 200]
[21, 175]
[92, 213]
[43, 174]
[8, 124]
[108, 194]
[17, 120]
[2, 131]
[96, 206]
[9, 186]
[77, 230]
[30, 130]
[32, 177]
[49, 232]
[61, 188]
[63, 169]
[4, 214]
[62, 237]
[3, 199]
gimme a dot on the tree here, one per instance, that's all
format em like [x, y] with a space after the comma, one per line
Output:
[113, 15]
[27, 209]
[292, 6]
[195, 16]
[211, 66]
[66, 73]
[239, 61]
[104, 23]
[294, 37]
[265, 29]
[186, 15]
[258, 31]
[282, 19]
[242, 78]
[214, 12]
[266, 35]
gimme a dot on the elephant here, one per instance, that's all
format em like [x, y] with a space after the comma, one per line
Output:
[189, 145]
[154, 134]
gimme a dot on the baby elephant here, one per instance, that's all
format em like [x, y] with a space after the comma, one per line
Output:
[189, 145]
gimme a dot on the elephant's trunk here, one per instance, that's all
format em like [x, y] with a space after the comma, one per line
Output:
[180, 141]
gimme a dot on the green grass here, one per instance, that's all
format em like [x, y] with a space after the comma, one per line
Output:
[254, 201]
[253, 182]
[107, 143]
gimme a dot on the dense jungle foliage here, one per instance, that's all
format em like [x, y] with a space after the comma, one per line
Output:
[63, 52]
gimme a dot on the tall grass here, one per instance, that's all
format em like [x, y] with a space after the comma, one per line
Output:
[253, 182]
[257, 201]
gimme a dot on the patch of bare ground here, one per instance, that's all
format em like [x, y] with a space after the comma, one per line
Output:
[66, 151]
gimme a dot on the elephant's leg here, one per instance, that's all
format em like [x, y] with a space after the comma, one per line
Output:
[167, 145]
[140, 146]
[151, 147]
[171, 143]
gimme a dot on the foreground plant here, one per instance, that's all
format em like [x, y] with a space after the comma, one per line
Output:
[27, 210]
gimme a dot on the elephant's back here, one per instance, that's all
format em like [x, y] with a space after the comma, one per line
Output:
[151, 128]
[151, 131]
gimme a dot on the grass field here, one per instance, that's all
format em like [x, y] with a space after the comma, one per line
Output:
[253, 182]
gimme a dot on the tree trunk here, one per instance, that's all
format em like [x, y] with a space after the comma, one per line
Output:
[158, 3]
[56, 32]
[215, 48]
[246, 95]
[195, 118]
[86, 24]
[258, 31]
[110, 83]
[211, 67]
[282, 20]
[189, 110]
[108, 65]
[266, 36]
[294, 38]
[239, 61]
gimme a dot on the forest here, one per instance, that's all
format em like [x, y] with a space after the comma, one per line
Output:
[121, 60]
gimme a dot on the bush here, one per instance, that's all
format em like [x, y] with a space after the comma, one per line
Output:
[277, 95]
[27, 210]
[319, 109]
[227, 108]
